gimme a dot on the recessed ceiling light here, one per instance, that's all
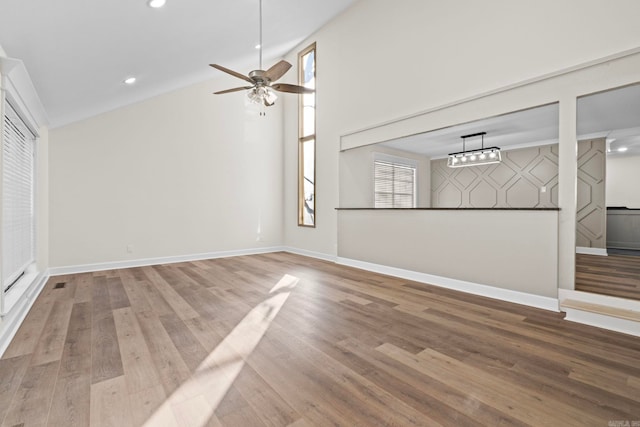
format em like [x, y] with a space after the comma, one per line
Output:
[156, 3]
[258, 46]
[130, 80]
[622, 149]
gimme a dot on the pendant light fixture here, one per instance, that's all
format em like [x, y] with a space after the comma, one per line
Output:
[482, 156]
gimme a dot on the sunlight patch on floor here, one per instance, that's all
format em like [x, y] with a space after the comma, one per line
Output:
[194, 402]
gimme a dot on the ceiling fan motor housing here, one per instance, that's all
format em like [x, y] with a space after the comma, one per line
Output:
[259, 77]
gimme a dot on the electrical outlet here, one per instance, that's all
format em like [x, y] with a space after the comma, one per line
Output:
[129, 248]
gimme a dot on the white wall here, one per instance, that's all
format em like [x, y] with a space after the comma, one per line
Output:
[42, 199]
[433, 242]
[623, 176]
[380, 61]
[181, 174]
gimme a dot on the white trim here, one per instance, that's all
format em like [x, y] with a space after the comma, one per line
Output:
[396, 160]
[12, 321]
[311, 254]
[568, 70]
[22, 93]
[601, 321]
[591, 251]
[606, 300]
[86, 268]
[537, 301]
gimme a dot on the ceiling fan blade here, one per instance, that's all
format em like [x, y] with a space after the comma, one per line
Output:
[284, 87]
[235, 89]
[233, 73]
[277, 71]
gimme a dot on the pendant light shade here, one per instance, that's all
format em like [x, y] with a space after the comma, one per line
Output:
[482, 156]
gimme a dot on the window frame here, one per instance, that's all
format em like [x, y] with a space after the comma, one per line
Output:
[400, 162]
[21, 126]
[302, 139]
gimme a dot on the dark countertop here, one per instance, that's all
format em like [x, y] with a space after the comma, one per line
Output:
[621, 208]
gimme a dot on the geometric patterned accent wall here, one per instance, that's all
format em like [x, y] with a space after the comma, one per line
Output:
[591, 210]
[516, 182]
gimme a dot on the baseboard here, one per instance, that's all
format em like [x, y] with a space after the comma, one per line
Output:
[12, 320]
[311, 254]
[537, 301]
[601, 321]
[591, 251]
[86, 268]
[631, 246]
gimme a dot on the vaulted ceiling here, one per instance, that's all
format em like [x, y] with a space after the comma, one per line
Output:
[78, 52]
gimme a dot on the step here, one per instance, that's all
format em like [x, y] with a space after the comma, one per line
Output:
[604, 316]
[602, 309]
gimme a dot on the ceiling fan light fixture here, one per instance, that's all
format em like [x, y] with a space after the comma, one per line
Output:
[262, 95]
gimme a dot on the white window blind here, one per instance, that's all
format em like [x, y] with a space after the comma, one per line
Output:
[394, 184]
[18, 221]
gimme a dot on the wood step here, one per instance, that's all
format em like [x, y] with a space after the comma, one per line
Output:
[604, 310]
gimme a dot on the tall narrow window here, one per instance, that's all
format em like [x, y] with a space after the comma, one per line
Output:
[18, 219]
[394, 184]
[307, 139]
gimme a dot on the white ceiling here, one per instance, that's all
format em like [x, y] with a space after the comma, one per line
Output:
[78, 52]
[613, 114]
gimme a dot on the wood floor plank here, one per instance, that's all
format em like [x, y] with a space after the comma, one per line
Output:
[224, 342]
[139, 372]
[192, 352]
[12, 371]
[76, 355]
[52, 338]
[71, 401]
[240, 417]
[526, 405]
[84, 288]
[106, 361]
[135, 292]
[359, 388]
[195, 411]
[29, 333]
[117, 296]
[614, 275]
[177, 303]
[148, 408]
[449, 406]
[168, 362]
[272, 409]
[31, 403]
[110, 405]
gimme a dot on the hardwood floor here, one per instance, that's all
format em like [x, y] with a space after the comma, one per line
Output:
[283, 340]
[615, 275]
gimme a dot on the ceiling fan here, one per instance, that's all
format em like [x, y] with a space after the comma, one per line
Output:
[262, 82]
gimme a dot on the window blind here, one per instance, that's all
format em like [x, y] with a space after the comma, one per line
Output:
[18, 220]
[394, 185]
